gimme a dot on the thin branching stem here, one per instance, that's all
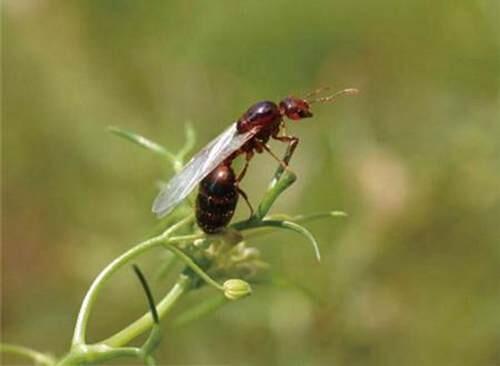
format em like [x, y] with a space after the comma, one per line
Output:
[199, 310]
[37, 357]
[90, 298]
[146, 321]
[115, 345]
[86, 354]
[191, 264]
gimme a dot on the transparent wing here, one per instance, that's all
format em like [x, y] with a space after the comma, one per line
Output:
[198, 168]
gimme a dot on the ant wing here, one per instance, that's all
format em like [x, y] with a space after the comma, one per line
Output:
[198, 168]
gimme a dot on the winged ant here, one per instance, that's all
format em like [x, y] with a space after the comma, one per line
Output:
[211, 167]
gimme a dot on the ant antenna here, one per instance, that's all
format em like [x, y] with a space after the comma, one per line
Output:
[330, 98]
[317, 91]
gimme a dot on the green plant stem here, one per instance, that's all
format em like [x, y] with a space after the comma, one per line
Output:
[149, 361]
[37, 357]
[191, 264]
[273, 192]
[79, 334]
[153, 340]
[86, 354]
[114, 346]
[276, 188]
[90, 298]
[146, 321]
[199, 310]
[80, 352]
[166, 267]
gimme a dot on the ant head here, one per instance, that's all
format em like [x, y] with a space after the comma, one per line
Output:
[295, 108]
[299, 108]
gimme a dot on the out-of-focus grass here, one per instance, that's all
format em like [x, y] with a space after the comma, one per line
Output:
[410, 277]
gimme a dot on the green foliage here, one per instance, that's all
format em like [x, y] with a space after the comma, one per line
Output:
[201, 247]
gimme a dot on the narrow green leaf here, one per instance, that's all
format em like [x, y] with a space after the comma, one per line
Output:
[153, 341]
[307, 217]
[289, 225]
[144, 143]
[302, 230]
[149, 294]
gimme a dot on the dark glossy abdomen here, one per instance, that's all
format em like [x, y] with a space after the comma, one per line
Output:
[217, 199]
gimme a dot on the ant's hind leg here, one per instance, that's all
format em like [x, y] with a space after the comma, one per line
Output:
[245, 197]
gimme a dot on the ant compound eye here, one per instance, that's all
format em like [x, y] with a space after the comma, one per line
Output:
[295, 108]
[304, 113]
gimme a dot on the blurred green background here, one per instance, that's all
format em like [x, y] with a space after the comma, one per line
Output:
[411, 277]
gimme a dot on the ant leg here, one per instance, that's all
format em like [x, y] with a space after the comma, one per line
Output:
[292, 142]
[283, 164]
[248, 157]
[245, 197]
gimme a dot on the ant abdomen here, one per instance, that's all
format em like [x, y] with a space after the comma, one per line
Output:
[217, 199]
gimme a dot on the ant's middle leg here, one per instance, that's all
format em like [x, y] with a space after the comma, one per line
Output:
[292, 142]
[263, 146]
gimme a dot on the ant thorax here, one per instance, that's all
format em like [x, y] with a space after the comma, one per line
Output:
[263, 115]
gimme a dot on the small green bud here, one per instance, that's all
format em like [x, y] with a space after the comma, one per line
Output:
[235, 289]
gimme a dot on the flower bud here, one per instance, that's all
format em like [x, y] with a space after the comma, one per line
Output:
[235, 289]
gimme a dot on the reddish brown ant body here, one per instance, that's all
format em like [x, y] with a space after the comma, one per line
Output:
[219, 188]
